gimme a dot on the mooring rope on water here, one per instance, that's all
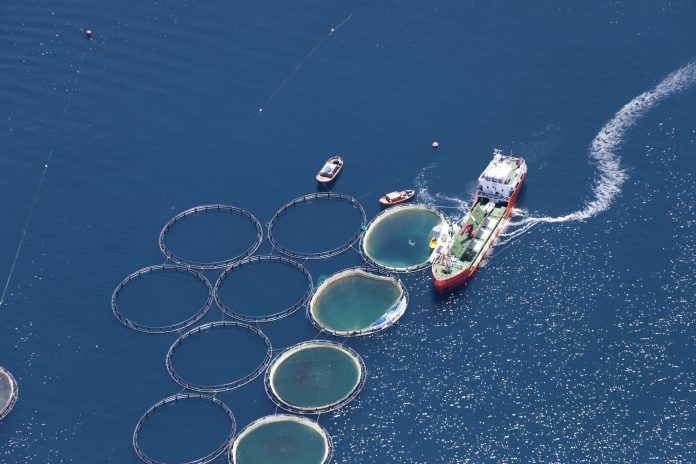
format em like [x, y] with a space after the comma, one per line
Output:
[315, 383]
[304, 60]
[42, 178]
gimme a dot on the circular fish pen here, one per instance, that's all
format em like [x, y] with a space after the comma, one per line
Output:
[314, 377]
[282, 438]
[358, 301]
[151, 271]
[398, 239]
[306, 199]
[275, 260]
[202, 210]
[162, 412]
[9, 391]
[207, 329]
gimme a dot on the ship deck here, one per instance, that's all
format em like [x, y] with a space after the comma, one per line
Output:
[464, 252]
[476, 217]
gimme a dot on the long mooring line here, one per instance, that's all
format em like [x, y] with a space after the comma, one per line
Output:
[42, 179]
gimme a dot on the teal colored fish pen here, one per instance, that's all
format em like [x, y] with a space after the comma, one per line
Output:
[282, 439]
[358, 301]
[398, 239]
[315, 377]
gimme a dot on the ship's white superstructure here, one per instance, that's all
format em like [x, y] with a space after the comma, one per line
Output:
[497, 181]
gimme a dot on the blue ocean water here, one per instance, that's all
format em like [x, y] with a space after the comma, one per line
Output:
[573, 343]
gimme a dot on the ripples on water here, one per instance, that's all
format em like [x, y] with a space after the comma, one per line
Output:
[584, 358]
[564, 348]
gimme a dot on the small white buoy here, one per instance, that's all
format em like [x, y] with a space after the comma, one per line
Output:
[436, 144]
[88, 33]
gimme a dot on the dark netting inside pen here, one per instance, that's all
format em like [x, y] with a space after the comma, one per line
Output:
[210, 236]
[282, 439]
[219, 356]
[317, 225]
[163, 298]
[242, 291]
[186, 428]
[314, 377]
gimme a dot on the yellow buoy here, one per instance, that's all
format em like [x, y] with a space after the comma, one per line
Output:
[433, 242]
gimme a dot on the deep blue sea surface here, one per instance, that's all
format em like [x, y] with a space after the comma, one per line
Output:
[573, 343]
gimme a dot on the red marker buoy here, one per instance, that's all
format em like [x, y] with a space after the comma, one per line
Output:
[88, 33]
[435, 144]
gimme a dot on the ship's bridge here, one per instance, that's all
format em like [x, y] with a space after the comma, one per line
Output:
[499, 180]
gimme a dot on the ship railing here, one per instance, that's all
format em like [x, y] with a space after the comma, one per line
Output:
[493, 197]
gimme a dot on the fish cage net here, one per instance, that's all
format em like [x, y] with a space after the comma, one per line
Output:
[172, 401]
[9, 392]
[281, 438]
[150, 270]
[391, 212]
[251, 260]
[390, 316]
[315, 378]
[198, 210]
[309, 198]
[231, 385]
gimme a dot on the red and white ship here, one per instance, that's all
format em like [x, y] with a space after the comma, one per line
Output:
[462, 247]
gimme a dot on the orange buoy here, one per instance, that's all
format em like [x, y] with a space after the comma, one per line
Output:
[88, 33]
[435, 144]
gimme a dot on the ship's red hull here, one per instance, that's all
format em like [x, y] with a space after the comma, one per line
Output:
[445, 285]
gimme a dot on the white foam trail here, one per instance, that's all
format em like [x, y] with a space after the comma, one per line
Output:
[508, 236]
[421, 184]
[604, 147]
[603, 151]
[461, 205]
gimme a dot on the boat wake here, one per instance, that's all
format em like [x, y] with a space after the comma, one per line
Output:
[455, 206]
[603, 151]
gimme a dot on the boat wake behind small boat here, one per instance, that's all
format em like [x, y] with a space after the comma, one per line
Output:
[394, 198]
[331, 169]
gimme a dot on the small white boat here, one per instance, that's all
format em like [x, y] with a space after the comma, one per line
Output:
[331, 169]
[394, 198]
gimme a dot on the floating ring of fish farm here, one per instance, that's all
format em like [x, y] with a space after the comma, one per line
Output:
[406, 246]
[314, 377]
[282, 438]
[173, 400]
[9, 391]
[227, 385]
[169, 328]
[211, 264]
[310, 197]
[356, 311]
[258, 260]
